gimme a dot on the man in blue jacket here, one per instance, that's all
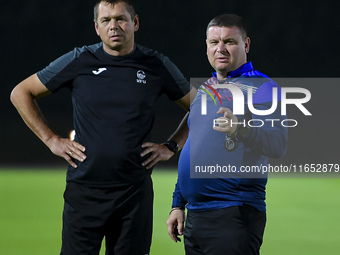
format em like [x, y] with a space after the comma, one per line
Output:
[225, 202]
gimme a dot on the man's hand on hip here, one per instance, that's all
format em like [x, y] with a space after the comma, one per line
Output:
[67, 149]
[159, 152]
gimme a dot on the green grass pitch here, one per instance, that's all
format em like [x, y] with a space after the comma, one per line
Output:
[303, 216]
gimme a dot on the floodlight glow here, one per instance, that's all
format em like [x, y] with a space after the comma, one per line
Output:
[72, 134]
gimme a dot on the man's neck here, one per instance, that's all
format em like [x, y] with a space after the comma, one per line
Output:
[119, 52]
[224, 75]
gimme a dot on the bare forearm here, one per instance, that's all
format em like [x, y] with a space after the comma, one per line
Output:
[28, 109]
[23, 98]
[160, 152]
[181, 134]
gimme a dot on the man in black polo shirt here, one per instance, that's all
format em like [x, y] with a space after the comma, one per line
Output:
[114, 86]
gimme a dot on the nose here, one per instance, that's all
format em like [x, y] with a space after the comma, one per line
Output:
[221, 47]
[113, 24]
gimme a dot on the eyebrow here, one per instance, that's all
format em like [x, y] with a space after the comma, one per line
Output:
[230, 39]
[223, 39]
[115, 17]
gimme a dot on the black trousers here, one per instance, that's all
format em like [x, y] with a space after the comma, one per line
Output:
[122, 214]
[236, 230]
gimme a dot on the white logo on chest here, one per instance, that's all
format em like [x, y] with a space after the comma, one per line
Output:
[100, 70]
[141, 77]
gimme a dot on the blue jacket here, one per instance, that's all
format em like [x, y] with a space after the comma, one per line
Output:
[199, 190]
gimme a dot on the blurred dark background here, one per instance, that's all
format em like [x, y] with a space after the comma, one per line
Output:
[289, 39]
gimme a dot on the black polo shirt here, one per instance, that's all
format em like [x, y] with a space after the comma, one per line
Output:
[113, 107]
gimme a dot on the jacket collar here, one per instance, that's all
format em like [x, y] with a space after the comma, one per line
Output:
[239, 71]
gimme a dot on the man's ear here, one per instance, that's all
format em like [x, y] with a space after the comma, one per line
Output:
[247, 44]
[96, 27]
[136, 22]
[206, 41]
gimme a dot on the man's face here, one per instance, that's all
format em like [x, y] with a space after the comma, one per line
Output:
[226, 49]
[116, 28]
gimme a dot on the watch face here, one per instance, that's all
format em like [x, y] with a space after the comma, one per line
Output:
[172, 146]
[230, 145]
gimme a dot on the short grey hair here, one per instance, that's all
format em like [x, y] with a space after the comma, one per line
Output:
[229, 20]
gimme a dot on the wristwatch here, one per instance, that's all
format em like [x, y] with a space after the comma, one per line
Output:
[231, 141]
[242, 132]
[173, 146]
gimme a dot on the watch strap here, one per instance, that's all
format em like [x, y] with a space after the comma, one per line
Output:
[172, 146]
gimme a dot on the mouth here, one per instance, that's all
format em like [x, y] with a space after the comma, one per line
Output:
[222, 59]
[115, 37]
